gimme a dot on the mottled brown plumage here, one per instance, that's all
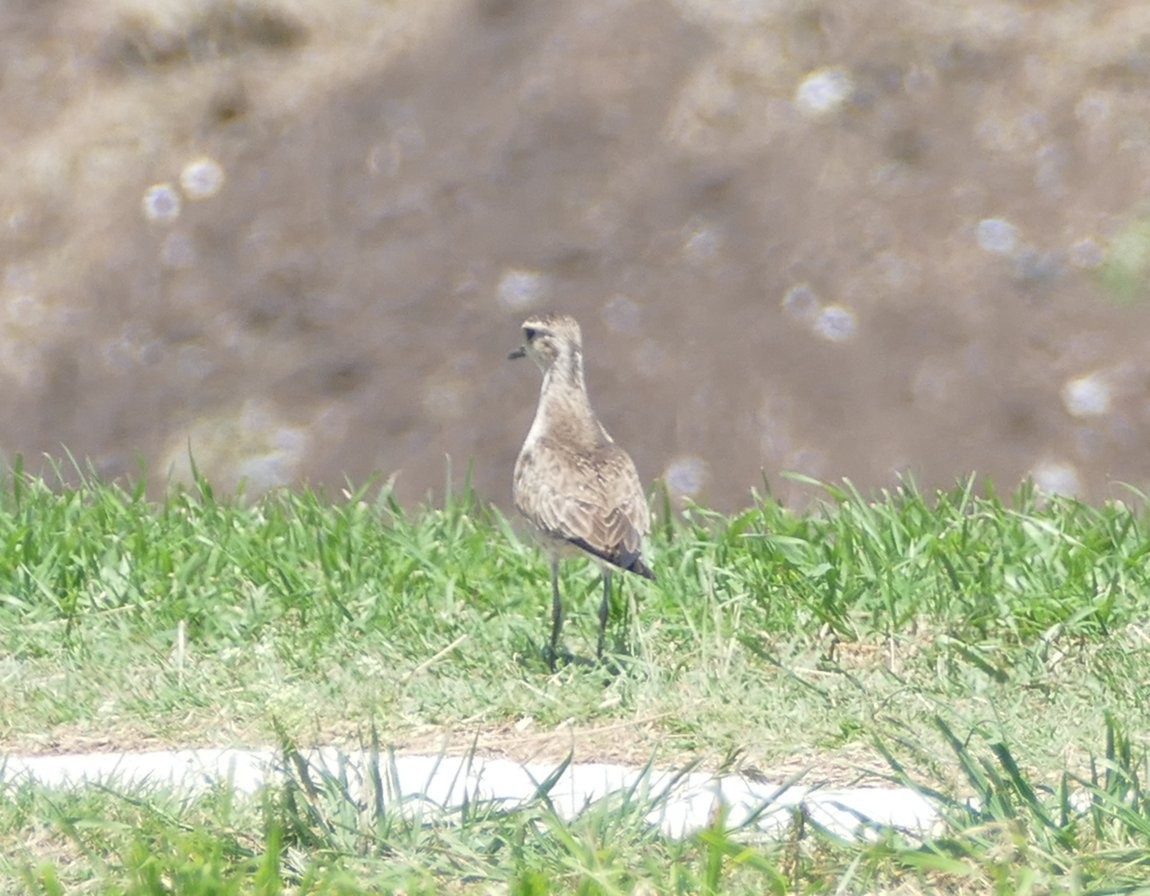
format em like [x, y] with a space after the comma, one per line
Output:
[572, 482]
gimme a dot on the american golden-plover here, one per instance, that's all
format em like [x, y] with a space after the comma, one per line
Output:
[572, 482]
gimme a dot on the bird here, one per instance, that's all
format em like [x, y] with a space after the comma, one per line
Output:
[578, 489]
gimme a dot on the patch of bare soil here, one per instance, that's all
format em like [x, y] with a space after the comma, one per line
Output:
[637, 743]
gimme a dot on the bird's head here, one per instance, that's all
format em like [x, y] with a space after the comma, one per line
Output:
[547, 338]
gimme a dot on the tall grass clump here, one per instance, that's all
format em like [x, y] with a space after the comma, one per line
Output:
[977, 566]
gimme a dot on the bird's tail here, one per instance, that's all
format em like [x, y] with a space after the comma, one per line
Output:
[627, 561]
[640, 569]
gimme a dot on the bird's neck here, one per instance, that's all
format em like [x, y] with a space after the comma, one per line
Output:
[565, 376]
[564, 409]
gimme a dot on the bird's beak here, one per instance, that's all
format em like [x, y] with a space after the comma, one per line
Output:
[520, 352]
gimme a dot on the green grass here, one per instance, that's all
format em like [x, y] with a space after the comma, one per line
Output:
[981, 647]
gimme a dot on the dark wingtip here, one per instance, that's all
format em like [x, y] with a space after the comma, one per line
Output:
[633, 563]
[642, 569]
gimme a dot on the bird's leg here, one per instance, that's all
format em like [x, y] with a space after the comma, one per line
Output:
[604, 609]
[556, 613]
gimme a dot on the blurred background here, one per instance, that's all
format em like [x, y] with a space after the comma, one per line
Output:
[845, 239]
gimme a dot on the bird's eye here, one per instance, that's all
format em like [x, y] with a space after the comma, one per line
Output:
[530, 333]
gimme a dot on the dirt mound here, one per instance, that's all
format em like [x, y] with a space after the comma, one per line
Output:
[844, 241]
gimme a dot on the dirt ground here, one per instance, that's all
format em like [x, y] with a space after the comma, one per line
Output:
[841, 239]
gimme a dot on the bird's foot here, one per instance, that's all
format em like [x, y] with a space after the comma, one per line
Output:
[553, 656]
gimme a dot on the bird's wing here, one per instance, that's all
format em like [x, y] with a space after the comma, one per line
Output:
[595, 501]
